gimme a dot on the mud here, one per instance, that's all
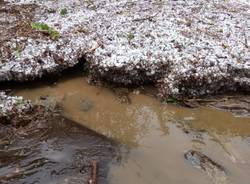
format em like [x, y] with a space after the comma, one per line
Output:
[239, 105]
[198, 51]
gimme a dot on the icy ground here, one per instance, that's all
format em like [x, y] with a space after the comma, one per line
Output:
[189, 48]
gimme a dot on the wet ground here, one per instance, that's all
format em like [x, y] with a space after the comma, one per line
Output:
[155, 137]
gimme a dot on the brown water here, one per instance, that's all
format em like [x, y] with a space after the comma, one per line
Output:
[57, 151]
[154, 135]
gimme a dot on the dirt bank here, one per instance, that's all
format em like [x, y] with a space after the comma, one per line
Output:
[189, 48]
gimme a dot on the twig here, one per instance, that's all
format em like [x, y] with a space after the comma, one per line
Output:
[94, 172]
[145, 18]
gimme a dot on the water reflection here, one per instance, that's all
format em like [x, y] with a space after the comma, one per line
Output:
[124, 123]
[129, 123]
[213, 121]
[157, 135]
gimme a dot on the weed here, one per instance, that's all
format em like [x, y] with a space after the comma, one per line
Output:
[170, 101]
[131, 36]
[63, 11]
[17, 52]
[44, 28]
[83, 30]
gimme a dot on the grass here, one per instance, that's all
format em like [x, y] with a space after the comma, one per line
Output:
[63, 11]
[17, 52]
[83, 30]
[170, 101]
[131, 36]
[44, 28]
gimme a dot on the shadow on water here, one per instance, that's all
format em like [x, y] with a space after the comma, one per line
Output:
[59, 151]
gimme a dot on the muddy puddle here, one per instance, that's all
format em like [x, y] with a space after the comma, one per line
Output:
[53, 152]
[154, 136]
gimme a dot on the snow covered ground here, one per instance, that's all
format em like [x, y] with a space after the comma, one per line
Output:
[190, 48]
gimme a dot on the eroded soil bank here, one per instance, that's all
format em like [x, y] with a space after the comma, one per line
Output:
[159, 140]
[188, 48]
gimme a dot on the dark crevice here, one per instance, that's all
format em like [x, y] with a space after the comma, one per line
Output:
[48, 78]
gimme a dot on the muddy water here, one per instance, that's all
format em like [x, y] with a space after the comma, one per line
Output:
[55, 151]
[154, 136]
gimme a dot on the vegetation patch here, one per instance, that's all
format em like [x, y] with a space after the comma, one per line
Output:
[44, 28]
[170, 101]
[63, 11]
[131, 36]
[17, 51]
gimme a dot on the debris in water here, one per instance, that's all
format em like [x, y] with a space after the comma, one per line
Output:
[86, 105]
[94, 173]
[122, 95]
[203, 162]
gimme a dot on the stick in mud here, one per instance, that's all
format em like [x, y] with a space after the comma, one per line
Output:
[94, 172]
